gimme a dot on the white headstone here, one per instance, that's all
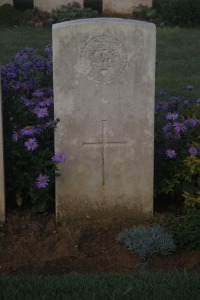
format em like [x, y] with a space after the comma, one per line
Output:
[49, 5]
[123, 6]
[104, 82]
[2, 182]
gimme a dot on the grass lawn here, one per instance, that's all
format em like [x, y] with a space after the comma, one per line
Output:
[13, 40]
[178, 51]
[138, 286]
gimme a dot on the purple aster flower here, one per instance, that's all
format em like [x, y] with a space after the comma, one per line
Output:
[39, 64]
[189, 87]
[21, 55]
[167, 131]
[186, 102]
[59, 157]
[15, 136]
[27, 130]
[41, 112]
[167, 127]
[178, 127]
[42, 181]
[198, 100]
[174, 99]
[29, 84]
[42, 103]
[49, 65]
[193, 151]
[46, 102]
[38, 94]
[31, 144]
[28, 102]
[15, 84]
[172, 116]
[31, 50]
[171, 153]
[48, 48]
[11, 75]
[161, 106]
[177, 136]
[38, 129]
[27, 64]
[191, 122]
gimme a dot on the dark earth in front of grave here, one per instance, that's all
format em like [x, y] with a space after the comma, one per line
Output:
[35, 244]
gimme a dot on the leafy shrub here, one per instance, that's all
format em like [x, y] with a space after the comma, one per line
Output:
[9, 16]
[177, 146]
[35, 16]
[187, 233]
[70, 11]
[30, 163]
[146, 241]
[179, 12]
[145, 13]
[171, 12]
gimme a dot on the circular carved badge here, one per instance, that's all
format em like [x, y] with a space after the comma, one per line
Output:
[103, 58]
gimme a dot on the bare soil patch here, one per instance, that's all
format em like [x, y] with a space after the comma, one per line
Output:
[35, 244]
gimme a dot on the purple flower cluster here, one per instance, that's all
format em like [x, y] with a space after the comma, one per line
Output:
[22, 73]
[28, 105]
[180, 124]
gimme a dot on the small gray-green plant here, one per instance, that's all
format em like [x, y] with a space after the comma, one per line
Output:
[147, 241]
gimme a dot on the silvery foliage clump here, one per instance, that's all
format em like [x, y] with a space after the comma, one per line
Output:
[147, 241]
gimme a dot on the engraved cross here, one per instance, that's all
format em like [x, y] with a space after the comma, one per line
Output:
[103, 145]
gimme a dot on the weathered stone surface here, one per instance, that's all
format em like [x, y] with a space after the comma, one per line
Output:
[104, 81]
[2, 2]
[48, 5]
[123, 6]
[2, 182]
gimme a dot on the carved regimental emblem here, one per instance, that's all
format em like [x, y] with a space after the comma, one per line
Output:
[103, 58]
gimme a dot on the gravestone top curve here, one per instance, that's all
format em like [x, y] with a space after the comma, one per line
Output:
[104, 20]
